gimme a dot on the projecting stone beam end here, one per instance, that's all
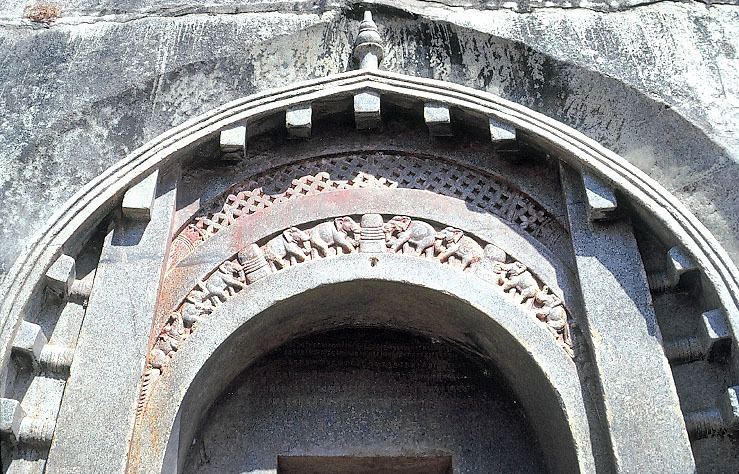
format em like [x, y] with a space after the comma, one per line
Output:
[138, 201]
[29, 341]
[501, 133]
[367, 110]
[11, 417]
[438, 119]
[61, 275]
[233, 144]
[601, 201]
[715, 421]
[713, 342]
[715, 335]
[298, 121]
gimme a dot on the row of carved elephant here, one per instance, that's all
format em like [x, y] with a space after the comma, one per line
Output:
[341, 235]
[402, 234]
[515, 279]
[406, 235]
[295, 245]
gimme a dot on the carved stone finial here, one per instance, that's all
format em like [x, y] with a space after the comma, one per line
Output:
[368, 44]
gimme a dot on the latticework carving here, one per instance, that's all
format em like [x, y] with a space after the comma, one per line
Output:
[482, 191]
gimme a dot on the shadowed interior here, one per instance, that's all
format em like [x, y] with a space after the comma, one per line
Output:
[366, 400]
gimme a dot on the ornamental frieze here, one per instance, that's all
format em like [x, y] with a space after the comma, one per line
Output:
[482, 191]
[346, 235]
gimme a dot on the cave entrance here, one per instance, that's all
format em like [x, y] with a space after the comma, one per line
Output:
[364, 465]
[366, 400]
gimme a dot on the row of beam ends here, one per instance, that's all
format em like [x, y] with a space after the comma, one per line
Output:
[712, 342]
[299, 121]
[602, 207]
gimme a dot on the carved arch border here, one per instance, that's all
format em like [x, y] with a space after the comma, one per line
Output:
[272, 310]
[69, 227]
[443, 211]
[372, 234]
[72, 223]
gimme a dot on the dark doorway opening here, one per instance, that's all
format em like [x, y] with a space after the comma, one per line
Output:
[366, 400]
[364, 465]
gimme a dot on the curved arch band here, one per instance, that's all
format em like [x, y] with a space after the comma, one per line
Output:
[91, 203]
[311, 297]
[530, 347]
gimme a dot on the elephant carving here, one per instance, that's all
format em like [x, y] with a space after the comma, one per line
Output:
[417, 233]
[453, 243]
[168, 341]
[339, 234]
[489, 267]
[290, 244]
[549, 309]
[194, 308]
[224, 282]
[518, 278]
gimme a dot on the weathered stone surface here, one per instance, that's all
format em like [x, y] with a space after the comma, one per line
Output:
[715, 334]
[570, 65]
[117, 321]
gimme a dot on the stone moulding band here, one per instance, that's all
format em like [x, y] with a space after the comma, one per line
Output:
[85, 209]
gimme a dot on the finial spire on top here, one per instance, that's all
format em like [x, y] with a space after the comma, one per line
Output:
[368, 44]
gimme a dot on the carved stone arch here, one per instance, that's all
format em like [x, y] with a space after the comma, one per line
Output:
[553, 269]
[598, 189]
[298, 300]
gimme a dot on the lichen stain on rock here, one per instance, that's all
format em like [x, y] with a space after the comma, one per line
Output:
[42, 12]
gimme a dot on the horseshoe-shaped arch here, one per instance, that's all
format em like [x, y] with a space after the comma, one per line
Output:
[669, 219]
[449, 306]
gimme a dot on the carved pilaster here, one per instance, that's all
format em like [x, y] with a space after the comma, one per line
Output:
[117, 321]
[619, 321]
